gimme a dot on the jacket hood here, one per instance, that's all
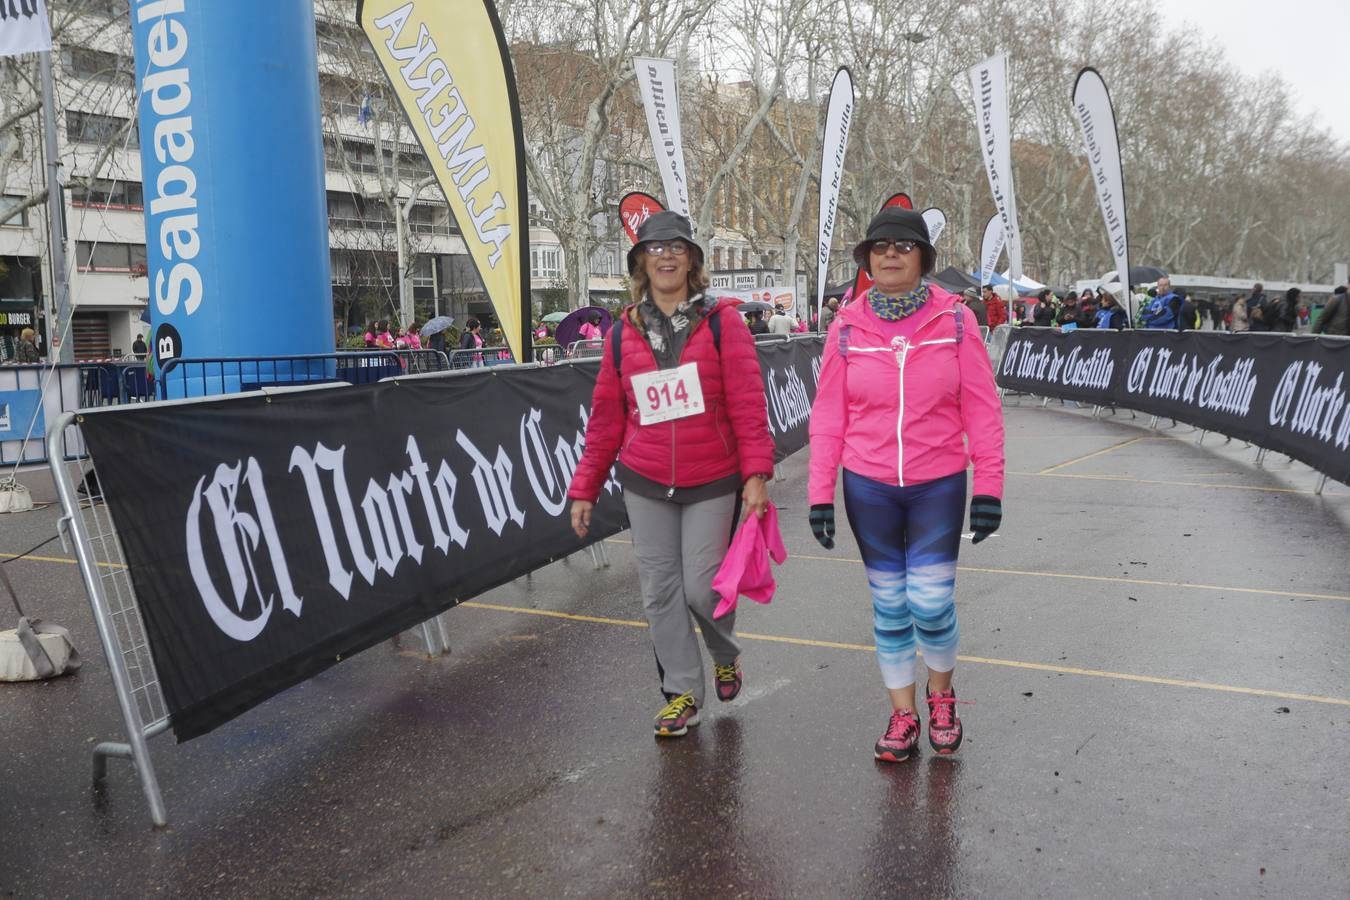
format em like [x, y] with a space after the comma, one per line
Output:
[858, 313]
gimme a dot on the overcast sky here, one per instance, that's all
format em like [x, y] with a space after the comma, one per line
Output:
[1306, 41]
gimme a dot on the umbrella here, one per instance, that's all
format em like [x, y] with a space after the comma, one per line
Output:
[554, 318]
[750, 306]
[569, 329]
[436, 325]
[1138, 274]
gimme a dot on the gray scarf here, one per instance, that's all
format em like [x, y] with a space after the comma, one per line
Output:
[668, 334]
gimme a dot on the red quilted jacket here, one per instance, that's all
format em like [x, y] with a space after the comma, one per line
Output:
[731, 435]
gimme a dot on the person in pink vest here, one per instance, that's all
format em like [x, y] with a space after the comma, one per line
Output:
[590, 329]
[906, 402]
[679, 405]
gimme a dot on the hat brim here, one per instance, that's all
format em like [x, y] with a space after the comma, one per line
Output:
[635, 250]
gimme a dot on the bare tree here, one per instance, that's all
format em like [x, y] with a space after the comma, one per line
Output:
[574, 69]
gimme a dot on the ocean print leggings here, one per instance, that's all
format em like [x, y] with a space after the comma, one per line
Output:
[909, 537]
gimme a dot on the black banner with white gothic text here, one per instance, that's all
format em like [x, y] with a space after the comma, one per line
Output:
[268, 537]
[1288, 393]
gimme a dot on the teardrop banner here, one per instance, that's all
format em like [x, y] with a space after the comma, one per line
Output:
[936, 220]
[636, 208]
[862, 282]
[659, 86]
[991, 248]
[451, 72]
[838, 115]
[1101, 139]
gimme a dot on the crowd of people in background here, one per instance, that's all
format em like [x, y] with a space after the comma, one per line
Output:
[1163, 306]
[379, 337]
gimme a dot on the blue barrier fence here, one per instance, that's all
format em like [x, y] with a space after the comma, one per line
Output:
[207, 376]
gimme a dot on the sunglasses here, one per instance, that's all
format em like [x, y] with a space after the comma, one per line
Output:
[904, 248]
[674, 248]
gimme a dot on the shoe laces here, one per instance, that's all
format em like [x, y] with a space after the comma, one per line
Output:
[675, 708]
[725, 673]
[942, 709]
[902, 723]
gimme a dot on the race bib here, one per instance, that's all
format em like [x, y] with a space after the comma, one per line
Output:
[668, 394]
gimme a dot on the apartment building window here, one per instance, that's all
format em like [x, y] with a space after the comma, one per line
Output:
[338, 96]
[107, 194]
[8, 203]
[341, 40]
[421, 271]
[340, 268]
[351, 211]
[114, 68]
[539, 215]
[92, 128]
[106, 256]
[605, 262]
[425, 219]
[545, 262]
[361, 157]
[717, 258]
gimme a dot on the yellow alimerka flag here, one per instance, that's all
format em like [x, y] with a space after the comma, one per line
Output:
[450, 69]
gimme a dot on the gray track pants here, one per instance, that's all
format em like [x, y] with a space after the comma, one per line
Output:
[679, 549]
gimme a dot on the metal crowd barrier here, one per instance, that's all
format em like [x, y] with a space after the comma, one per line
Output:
[228, 375]
[483, 356]
[997, 343]
[585, 349]
[50, 390]
[87, 524]
[771, 338]
[86, 528]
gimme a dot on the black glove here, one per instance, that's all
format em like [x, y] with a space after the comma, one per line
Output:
[822, 524]
[986, 514]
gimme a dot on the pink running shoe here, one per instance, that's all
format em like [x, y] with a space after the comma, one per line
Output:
[901, 737]
[944, 725]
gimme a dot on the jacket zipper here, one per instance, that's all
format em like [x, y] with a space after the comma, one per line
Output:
[900, 356]
[900, 419]
[670, 491]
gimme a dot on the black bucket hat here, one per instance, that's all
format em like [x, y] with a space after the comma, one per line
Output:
[895, 223]
[664, 226]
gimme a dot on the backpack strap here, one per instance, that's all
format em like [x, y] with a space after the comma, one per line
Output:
[844, 331]
[960, 324]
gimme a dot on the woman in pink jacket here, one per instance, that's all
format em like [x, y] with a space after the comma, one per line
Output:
[679, 413]
[905, 388]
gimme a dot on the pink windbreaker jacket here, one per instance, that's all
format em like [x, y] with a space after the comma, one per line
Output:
[906, 399]
[745, 569]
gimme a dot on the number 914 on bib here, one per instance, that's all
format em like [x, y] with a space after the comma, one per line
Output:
[668, 394]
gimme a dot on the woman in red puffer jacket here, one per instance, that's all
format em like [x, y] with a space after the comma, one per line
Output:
[684, 416]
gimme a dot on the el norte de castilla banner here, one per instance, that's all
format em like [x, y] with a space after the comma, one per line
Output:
[294, 530]
[451, 73]
[1287, 394]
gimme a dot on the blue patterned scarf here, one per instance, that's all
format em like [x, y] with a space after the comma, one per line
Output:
[893, 309]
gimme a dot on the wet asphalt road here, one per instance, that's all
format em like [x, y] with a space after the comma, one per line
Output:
[1155, 644]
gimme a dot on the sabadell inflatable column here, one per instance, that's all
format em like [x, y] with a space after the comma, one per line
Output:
[236, 223]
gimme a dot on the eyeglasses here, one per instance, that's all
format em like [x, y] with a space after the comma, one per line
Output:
[903, 247]
[674, 248]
